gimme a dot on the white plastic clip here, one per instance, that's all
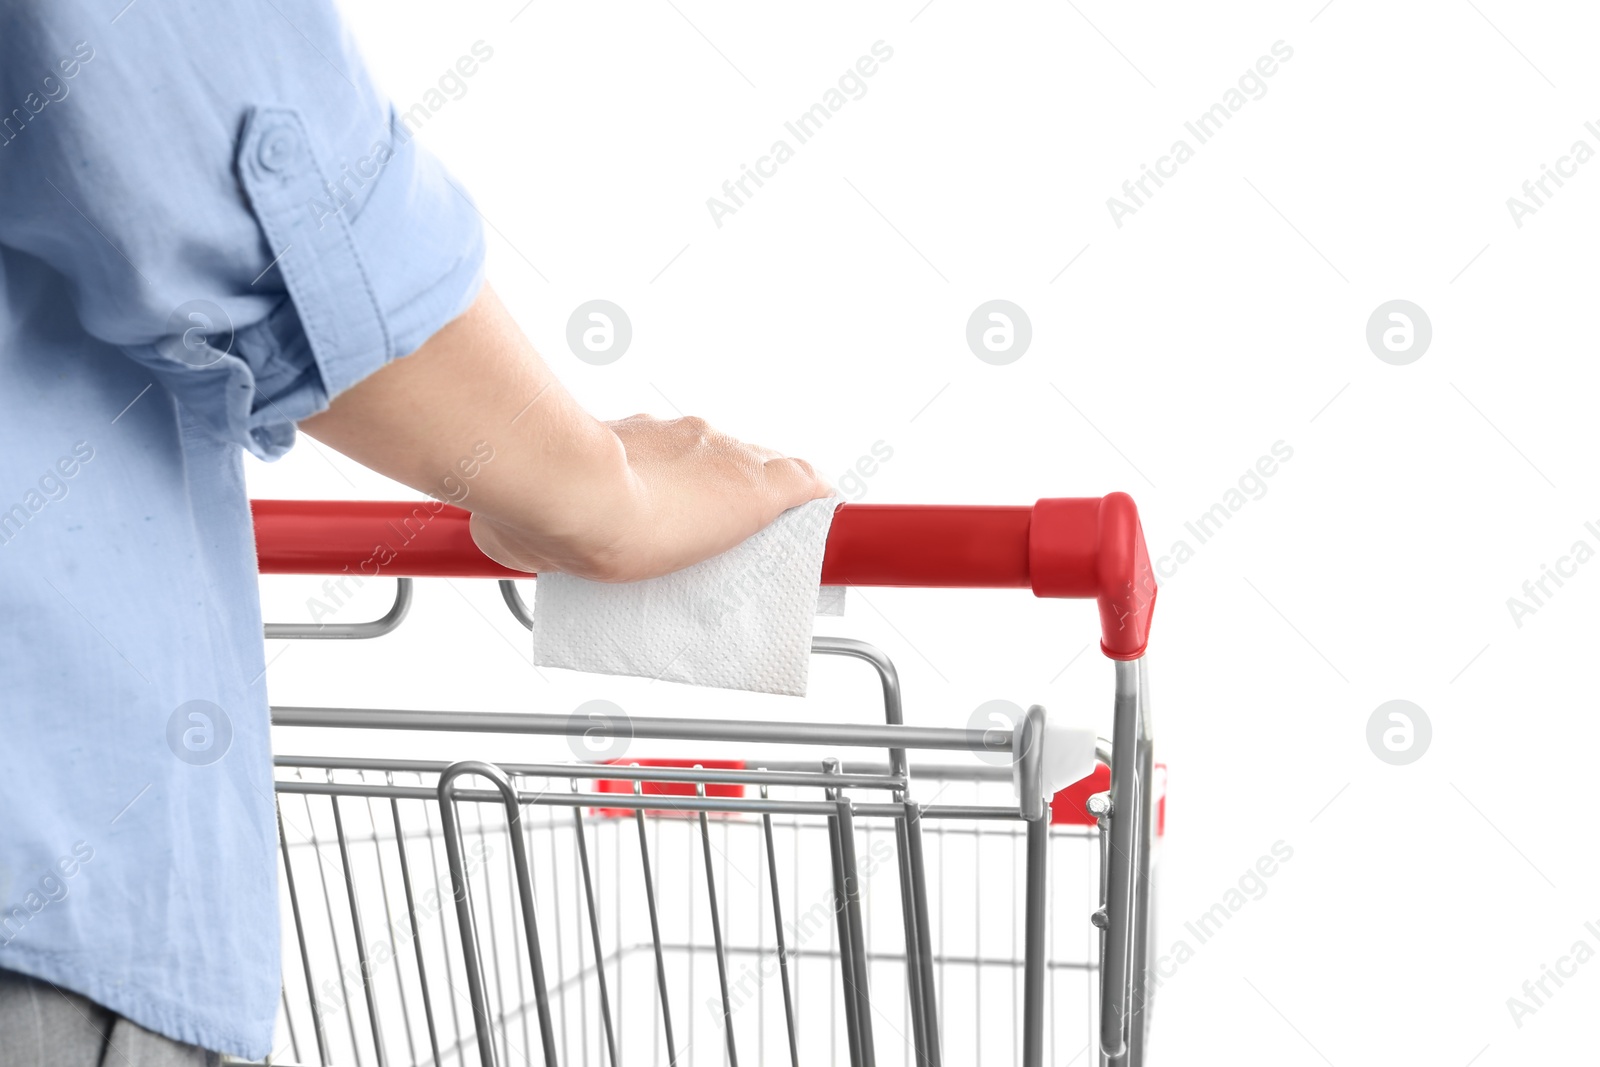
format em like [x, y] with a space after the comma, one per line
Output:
[1065, 755]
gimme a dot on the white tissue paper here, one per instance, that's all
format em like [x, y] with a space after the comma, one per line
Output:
[741, 620]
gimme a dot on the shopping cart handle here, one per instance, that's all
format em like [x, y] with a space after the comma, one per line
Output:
[1077, 547]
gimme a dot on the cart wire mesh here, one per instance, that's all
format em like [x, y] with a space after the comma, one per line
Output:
[687, 913]
[667, 935]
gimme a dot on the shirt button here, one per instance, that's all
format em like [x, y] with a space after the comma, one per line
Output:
[277, 150]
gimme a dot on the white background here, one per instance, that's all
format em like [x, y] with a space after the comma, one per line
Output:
[1227, 314]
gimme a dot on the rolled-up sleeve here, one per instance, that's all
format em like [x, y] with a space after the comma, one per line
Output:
[232, 201]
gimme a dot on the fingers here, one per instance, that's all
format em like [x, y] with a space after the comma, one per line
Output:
[747, 482]
[491, 540]
[794, 481]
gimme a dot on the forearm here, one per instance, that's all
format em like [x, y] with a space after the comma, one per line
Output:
[618, 501]
[477, 385]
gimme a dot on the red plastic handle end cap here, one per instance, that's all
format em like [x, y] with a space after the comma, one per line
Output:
[1082, 547]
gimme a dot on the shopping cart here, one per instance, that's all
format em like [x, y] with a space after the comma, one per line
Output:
[833, 905]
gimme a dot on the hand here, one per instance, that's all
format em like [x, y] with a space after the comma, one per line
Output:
[693, 493]
[614, 502]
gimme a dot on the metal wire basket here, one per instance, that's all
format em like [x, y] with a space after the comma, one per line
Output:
[829, 906]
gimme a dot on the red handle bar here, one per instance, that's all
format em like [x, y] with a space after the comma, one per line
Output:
[1079, 547]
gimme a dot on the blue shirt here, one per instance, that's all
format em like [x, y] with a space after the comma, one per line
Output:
[211, 222]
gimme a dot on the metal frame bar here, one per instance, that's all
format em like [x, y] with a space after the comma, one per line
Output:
[594, 933]
[446, 793]
[1035, 911]
[658, 728]
[847, 971]
[857, 983]
[655, 934]
[1126, 863]
[305, 955]
[416, 934]
[519, 607]
[716, 937]
[777, 925]
[361, 939]
[346, 631]
[768, 774]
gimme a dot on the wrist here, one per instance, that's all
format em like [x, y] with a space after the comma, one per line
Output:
[583, 520]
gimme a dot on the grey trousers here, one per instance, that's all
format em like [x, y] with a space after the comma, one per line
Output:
[42, 1025]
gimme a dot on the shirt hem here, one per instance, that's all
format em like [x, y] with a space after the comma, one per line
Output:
[168, 1018]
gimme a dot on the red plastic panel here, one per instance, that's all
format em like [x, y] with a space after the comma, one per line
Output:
[1067, 807]
[671, 789]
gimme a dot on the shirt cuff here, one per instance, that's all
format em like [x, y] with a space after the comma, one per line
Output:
[372, 266]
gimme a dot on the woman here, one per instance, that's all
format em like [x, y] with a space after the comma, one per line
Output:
[176, 290]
